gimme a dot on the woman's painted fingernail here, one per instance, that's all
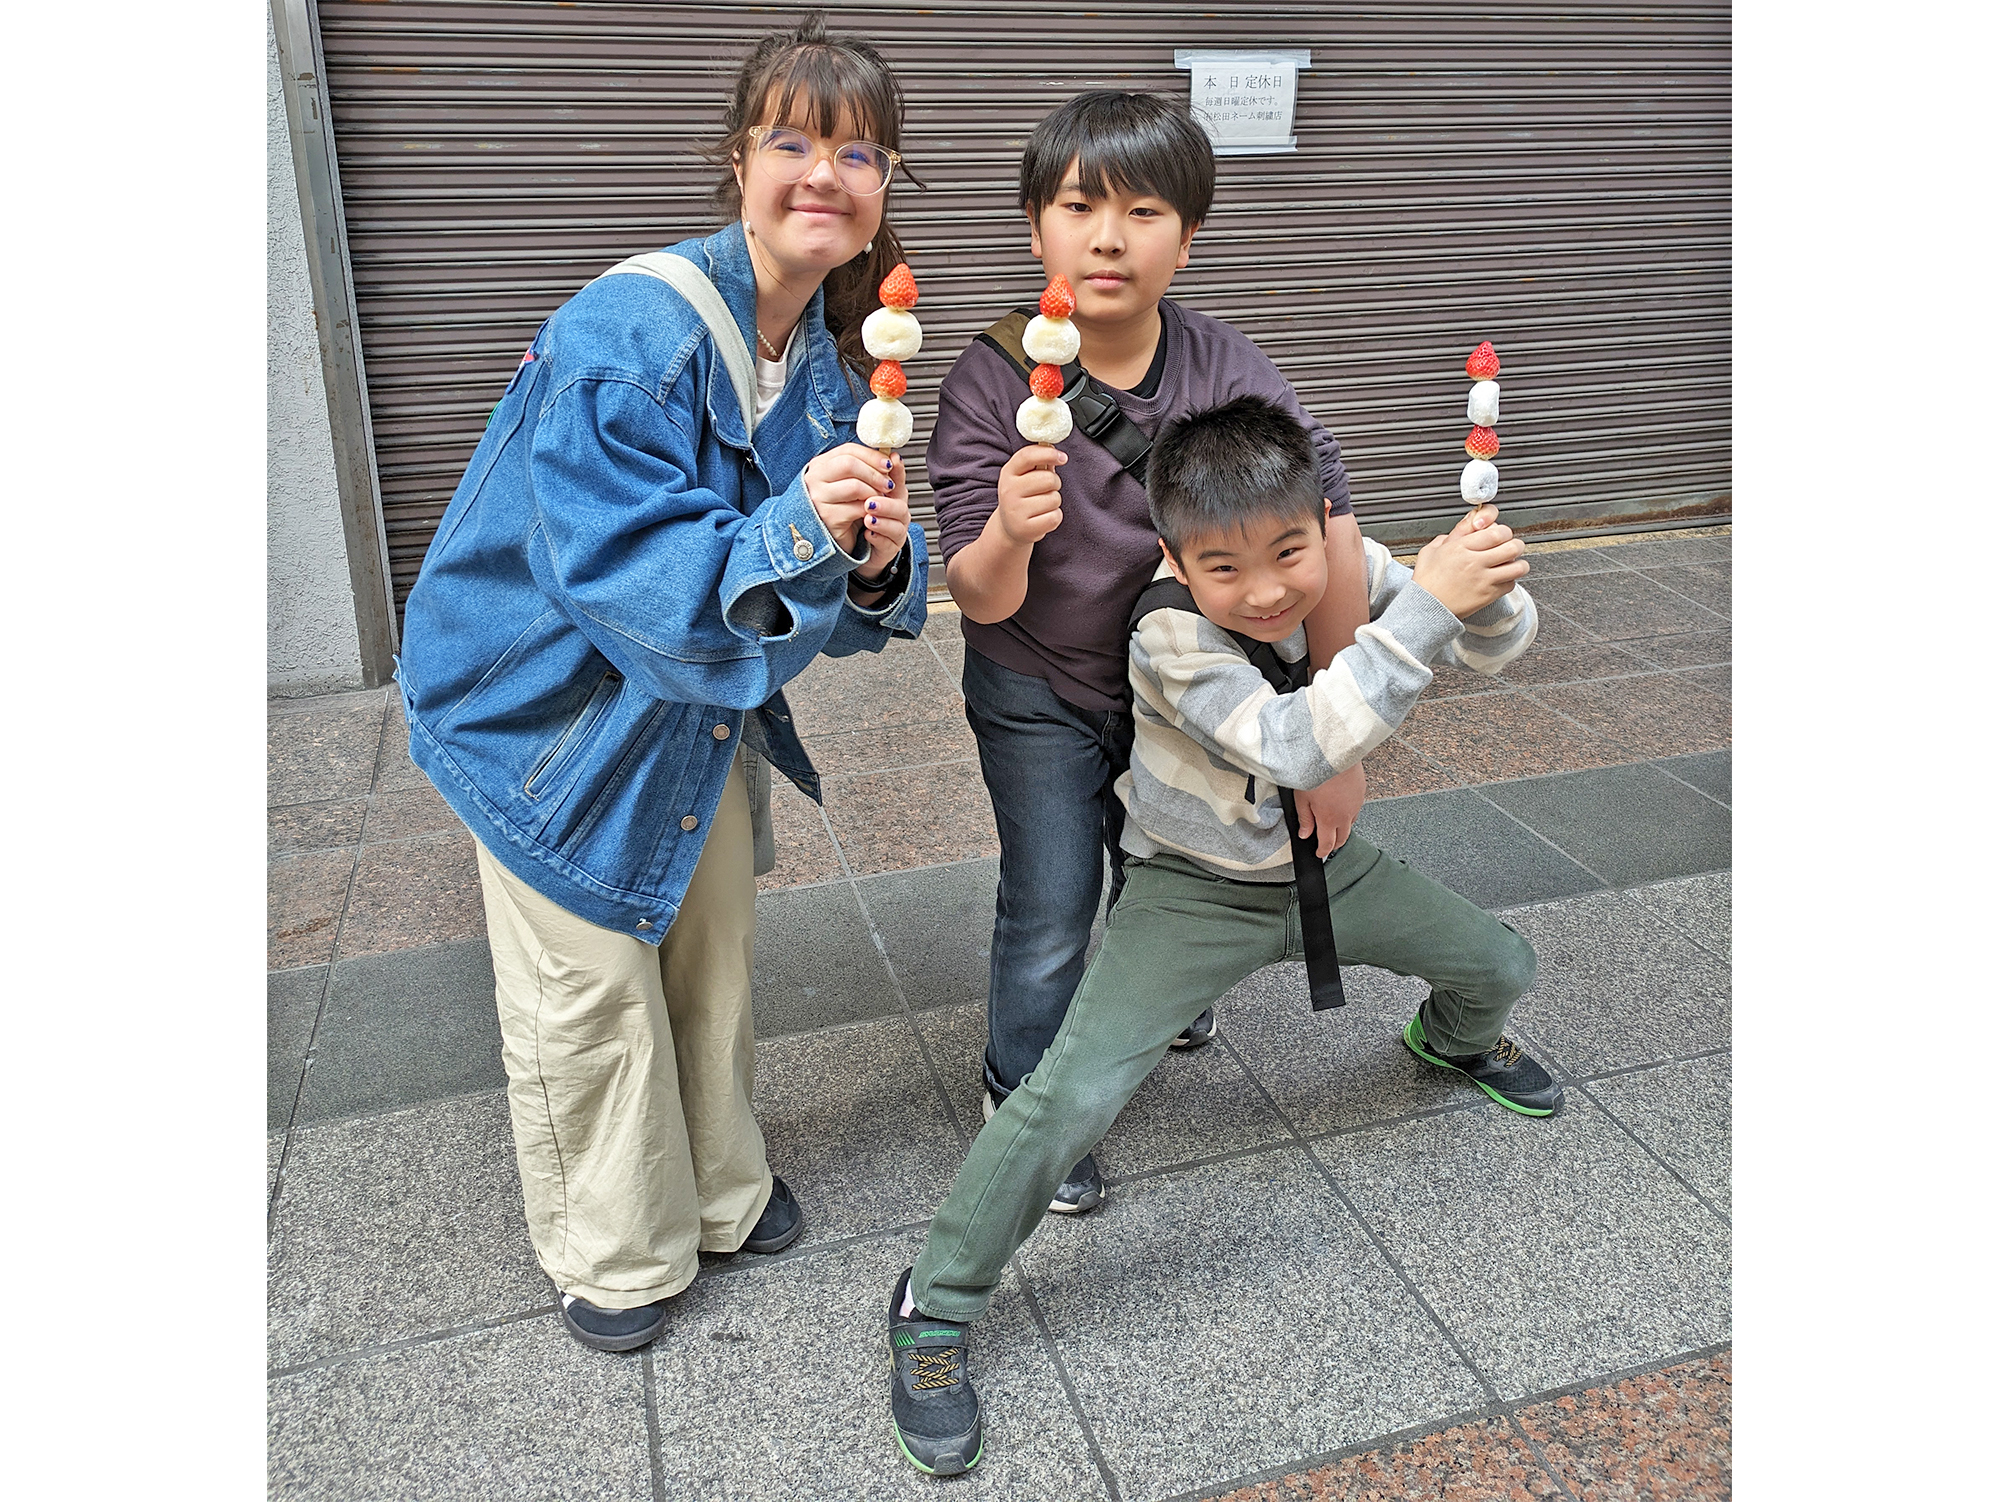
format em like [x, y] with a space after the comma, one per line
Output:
[870, 520]
[871, 505]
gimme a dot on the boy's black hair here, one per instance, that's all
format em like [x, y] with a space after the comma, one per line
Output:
[1121, 143]
[1214, 472]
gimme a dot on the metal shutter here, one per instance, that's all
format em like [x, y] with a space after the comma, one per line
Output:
[1553, 179]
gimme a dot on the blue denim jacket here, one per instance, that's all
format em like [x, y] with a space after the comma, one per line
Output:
[620, 587]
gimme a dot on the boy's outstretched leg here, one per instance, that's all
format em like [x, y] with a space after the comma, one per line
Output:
[931, 1399]
[1387, 915]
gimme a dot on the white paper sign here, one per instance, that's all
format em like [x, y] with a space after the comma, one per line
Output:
[1244, 99]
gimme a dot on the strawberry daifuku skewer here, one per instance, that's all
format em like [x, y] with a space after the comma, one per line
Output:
[1051, 339]
[891, 334]
[1479, 481]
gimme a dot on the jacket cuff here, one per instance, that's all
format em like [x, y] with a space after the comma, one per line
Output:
[1417, 618]
[894, 591]
[797, 540]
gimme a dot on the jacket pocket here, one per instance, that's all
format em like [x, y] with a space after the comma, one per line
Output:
[548, 771]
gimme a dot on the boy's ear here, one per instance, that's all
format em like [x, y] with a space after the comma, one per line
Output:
[1187, 239]
[1035, 236]
[1172, 562]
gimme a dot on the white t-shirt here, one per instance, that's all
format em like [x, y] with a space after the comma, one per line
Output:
[771, 374]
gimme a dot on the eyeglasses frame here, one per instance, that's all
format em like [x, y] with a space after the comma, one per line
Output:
[757, 133]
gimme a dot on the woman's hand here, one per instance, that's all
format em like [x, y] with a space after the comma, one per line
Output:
[842, 482]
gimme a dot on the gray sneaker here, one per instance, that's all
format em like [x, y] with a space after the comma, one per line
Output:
[931, 1401]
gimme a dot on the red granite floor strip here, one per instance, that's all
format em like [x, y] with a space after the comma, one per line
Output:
[1660, 1437]
[1483, 1461]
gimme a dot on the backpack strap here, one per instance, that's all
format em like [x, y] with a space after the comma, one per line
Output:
[1091, 403]
[1308, 870]
[693, 284]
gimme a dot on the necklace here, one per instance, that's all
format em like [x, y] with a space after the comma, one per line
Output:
[775, 354]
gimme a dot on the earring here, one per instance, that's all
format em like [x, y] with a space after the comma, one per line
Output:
[868, 249]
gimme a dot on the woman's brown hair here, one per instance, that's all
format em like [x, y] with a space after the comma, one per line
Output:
[808, 76]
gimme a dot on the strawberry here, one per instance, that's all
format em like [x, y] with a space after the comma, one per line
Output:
[1046, 382]
[899, 288]
[1058, 301]
[1482, 443]
[1484, 365]
[889, 382]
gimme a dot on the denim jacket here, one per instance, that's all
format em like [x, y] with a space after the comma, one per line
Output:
[622, 584]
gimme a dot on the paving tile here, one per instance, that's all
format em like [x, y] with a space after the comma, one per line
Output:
[395, 1226]
[803, 845]
[1661, 1437]
[1456, 837]
[772, 1384]
[1395, 770]
[315, 826]
[955, 1038]
[947, 738]
[853, 1123]
[1616, 986]
[1698, 906]
[901, 685]
[1666, 549]
[944, 629]
[1660, 714]
[522, 1411]
[414, 892]
[1340, 1068]
[291, 1004]
[1681, 1111]
[1717, 680]
[408, 814]
[1180, 1398]
[1572, 664]
[321, 749]
[1484, 1461]
[405, 1027]
[937, 926]
[1449, 682]
[1561, 563]
[891, 821]
[394, 771]
[304, 894]
[1693, 650]
[1554, 1248]
[1614, 606]
[274, 1153]
[1629, 824]
[1707, 584]
[1710, 772]
[1553, 628]
[813, 963]
[1502, 735]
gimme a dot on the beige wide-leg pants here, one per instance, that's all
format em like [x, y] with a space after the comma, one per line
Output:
[628, 1075]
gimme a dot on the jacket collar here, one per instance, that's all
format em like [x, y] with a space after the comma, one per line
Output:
[832, 397]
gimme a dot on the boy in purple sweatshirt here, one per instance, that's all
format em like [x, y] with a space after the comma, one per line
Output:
[1047, 547]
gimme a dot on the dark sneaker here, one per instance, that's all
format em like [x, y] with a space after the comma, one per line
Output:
[1082, 1190]
[1503, 1072]
[612, 1329]
[931, 1401]
[1197, 1034]
[779, 1226]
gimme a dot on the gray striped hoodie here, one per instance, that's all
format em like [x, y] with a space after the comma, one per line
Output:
[1213, 742]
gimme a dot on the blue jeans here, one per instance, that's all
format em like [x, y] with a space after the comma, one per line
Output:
[1049, 767]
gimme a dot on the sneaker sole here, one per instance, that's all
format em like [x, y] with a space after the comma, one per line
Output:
[937, 1470]
[1430, 1058]
[611, 1342]
[1188, 1045]
[775, 1243]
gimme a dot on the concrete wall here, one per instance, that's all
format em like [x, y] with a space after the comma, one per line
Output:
[312, 643]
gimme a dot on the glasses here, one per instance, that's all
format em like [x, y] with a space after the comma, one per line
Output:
[862, 167]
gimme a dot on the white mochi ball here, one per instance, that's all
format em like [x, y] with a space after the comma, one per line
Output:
[1051, 341]
[892, 334]
[1044, 419]
[883, 424]
[1478, 482]
[1482, 408]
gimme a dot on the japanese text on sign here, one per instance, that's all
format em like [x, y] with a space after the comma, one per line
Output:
[1244, 99]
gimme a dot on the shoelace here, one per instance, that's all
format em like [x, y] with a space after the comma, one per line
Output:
[934, 1368]
[1507, 1051]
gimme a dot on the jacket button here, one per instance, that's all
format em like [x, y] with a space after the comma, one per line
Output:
[690, 822]
[721, 732]
[645, 923]
[802, 550]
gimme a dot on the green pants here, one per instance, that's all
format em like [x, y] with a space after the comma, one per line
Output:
[1178, 938]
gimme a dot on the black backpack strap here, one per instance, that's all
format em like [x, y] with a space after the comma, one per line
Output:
[1091, 403]
[1308, 870]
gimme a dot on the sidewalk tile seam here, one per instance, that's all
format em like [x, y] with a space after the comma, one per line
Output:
[650, 1387]
[335, 1359]
[1647, 1148]
[1541, 1458]
[1660, 762]
[1602, 884]
[1040, 1319]
[1401, 1273]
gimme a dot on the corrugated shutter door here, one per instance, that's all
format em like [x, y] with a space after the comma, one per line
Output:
[1555, 180]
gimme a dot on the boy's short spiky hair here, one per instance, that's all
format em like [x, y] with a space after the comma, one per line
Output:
[1213, 472]
[1125, 143]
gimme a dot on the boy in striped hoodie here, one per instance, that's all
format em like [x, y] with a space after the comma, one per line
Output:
[1210, 894]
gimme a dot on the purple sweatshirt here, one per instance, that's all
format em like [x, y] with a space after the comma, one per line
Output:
[1084, 576]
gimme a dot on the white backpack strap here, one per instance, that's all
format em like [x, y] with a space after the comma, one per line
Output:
[688, 279]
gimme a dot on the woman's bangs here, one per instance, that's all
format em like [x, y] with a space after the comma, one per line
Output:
[828, 93]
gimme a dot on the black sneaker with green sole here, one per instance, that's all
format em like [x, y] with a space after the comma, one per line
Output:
[935, 1410]
[1503, 1072]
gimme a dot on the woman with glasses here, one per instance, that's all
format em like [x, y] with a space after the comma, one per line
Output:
[646, 546]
